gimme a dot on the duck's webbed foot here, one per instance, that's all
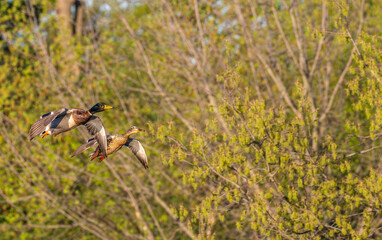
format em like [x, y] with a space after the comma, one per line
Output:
[101, 158]
[95, 154]
[46, 133]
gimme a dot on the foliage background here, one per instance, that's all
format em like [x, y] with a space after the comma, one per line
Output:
[263, 119]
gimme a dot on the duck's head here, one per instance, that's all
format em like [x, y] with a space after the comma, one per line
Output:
[135, 129]
[99, 107]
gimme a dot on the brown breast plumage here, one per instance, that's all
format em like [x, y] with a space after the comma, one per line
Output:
[80, 116]
[115, 142]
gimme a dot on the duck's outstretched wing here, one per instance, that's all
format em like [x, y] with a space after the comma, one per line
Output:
[40, 125]
[138, 150]
[83, 147]
[96, 128]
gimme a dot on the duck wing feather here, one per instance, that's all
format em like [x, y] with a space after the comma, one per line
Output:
[136, 147]
[95, 127]
[91, 142]
[40, 125]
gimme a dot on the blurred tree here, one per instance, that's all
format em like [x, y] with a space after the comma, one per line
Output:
[71, 13]
[262, 119]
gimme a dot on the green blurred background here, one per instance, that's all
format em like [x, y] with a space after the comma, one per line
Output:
[262, 118]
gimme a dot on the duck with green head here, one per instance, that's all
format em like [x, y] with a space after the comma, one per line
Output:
[65, 119]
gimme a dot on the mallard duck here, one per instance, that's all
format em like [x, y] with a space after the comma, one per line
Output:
[114, 143]
[65, 119]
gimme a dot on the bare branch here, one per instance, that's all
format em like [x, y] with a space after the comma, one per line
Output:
[363, 151]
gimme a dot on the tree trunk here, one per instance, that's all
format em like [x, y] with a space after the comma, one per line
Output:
[65, 18]
[78, 20]
[70, 25]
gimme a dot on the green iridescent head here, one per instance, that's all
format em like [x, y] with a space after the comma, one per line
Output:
[99, 107]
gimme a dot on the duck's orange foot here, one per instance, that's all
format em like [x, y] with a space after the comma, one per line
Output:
[46, 133]
[101, 158]
[95, 155]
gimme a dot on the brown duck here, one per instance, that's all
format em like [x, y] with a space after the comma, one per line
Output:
[116, 142]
